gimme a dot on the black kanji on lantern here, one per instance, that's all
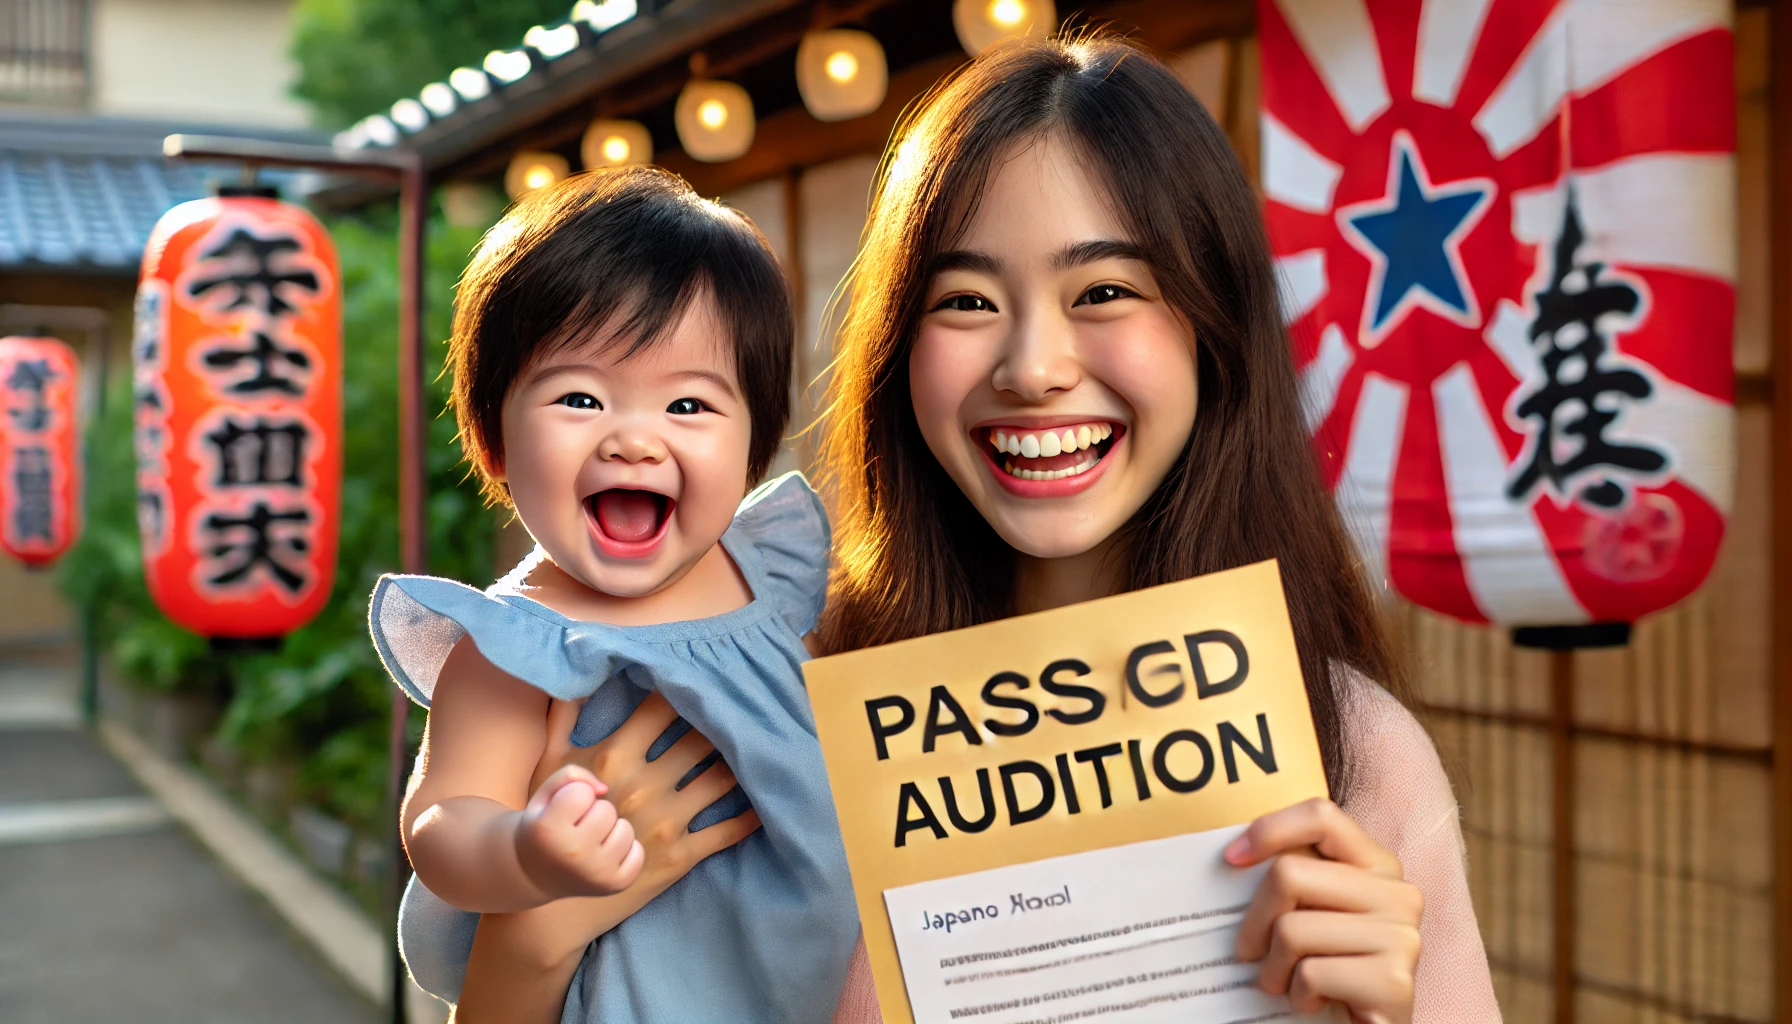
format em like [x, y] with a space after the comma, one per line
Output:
[30, 377]
[260, 451]
[248, 541]
[146, 328]
[1568, 405]
[250, 280]
[268, 357]
[150, 516]
[150, 438]
[32, 517]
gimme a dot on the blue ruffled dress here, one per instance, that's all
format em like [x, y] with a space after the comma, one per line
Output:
[761, 931]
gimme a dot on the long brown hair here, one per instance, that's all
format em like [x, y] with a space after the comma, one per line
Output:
[914, 556]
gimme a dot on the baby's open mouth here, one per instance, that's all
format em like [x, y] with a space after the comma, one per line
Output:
[1052, 453]
[628, 516]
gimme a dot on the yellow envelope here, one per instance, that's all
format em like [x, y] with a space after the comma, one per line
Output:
[1175, 709]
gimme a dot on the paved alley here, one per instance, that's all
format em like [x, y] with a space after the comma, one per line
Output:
[110, 911]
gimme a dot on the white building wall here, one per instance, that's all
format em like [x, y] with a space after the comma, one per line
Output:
[831, 202]
[833, 197]
[221, 61]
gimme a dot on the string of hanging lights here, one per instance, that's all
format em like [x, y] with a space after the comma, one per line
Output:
[842, 73]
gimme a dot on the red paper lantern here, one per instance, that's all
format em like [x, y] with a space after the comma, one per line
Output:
[1506, 236]
[40, 463]
[238, 415]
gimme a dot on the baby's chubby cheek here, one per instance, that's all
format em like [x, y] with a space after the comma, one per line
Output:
[708, 499]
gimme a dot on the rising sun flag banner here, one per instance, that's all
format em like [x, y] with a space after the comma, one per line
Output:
[1505, 236]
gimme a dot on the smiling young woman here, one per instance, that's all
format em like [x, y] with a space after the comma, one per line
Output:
[1051, 249]
[1062, 374]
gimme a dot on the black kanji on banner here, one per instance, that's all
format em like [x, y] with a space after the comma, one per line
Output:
[248, 541]
[32, 517]
[260, 451]
[269, 358]
[252, 282]
[30, 377]
[1579, 395]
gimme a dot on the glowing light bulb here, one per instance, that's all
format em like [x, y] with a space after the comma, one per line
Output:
[1007, 13]
[842, 67]
[533, 169]
[714, 121]
[616, 149]
[981, 24]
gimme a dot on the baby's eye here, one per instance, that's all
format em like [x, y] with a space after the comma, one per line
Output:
[579, 400]
[1104, 293]
[966, 304]
[685, 407]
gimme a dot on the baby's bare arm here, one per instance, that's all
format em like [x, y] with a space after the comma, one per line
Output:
[476, 838]
[486, 729]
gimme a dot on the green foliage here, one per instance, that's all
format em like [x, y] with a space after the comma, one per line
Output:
[322, 700]
[356, 57]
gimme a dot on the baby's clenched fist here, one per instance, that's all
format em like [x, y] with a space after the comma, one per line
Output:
[570, 841]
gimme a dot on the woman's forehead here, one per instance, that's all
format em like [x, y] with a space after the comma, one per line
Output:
[1040, 197]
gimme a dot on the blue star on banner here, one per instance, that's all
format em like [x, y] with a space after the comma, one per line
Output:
[1411, 235]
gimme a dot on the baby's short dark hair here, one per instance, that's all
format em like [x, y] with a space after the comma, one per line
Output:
[625, 251]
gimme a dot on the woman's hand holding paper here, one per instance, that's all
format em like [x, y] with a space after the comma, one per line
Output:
[1341, 926]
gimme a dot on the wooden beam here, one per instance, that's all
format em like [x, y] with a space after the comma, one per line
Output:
[1762, 755]
[1561, 837]
[1780, 495]
[1169, 27]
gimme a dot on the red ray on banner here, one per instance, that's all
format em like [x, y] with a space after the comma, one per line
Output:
[1505, 231]
[40, 458]
[237, 362]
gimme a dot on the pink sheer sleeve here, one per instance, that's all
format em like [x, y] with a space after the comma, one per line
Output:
[858, 1001]
[1403, 800]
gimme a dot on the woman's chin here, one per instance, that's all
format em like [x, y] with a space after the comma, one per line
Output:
[1043, 534]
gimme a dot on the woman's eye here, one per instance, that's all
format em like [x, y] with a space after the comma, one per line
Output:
[579, 400]
[685, 407]
[1104, 293]
[966, 304]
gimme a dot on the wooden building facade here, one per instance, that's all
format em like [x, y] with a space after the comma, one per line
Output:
[1628, 812]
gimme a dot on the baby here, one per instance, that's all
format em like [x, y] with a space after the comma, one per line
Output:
[621, 359]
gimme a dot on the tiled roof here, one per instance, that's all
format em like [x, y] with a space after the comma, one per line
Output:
[589, 23]
[85, 212]
[80, 194]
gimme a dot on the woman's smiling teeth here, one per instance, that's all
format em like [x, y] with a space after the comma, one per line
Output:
[1051, 444]
[1046, 443]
